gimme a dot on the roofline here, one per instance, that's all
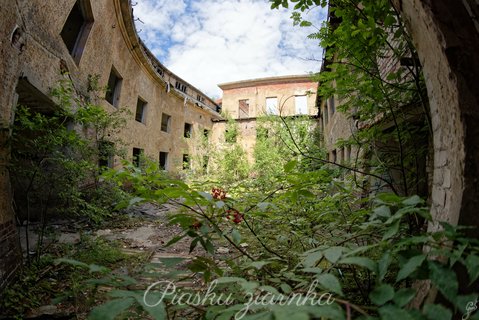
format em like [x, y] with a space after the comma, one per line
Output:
[266, 81]
[155, 69]
[310, 116]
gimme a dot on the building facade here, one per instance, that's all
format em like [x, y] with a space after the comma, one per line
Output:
[43, 42]
[247, 100]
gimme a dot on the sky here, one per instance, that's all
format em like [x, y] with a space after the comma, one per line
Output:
[207, 42]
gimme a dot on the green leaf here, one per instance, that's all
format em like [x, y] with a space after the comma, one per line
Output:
[72, 262]
[410, 266]
[472, 265]
[312, 258]
[444, 279]
[360, 261]
[288, 167]
[392, 230]
[259, 264]
[330, 282]
[403, 296]
[333, 254]
[389, 20]
[236, 236]
[97, 268]
[206, 195]
[381, 294]
[305, 23]
[383, 265]
[111, 309]
[282, 314]
[135, 200]
[219, 204]
[222, 280]
[262, 206]
[389, 312]
[382, 211]
[413, 201]
[437, 312]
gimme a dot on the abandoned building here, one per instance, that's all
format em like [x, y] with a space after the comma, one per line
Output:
[77, 39]
[39, 41]
[247, 100]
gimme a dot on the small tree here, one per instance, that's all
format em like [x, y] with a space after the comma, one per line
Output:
[55, 157]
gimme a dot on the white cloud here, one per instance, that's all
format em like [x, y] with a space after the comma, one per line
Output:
[213, 41]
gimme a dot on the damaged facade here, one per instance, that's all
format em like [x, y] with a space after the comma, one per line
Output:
[247, 100]
[44, 42]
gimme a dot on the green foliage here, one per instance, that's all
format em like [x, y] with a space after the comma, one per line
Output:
[372, 69]
[72, 280]
[55, 157]
[309, 228]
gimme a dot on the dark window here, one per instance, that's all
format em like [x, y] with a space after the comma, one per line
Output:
[137, 154]
[165, 122]
[76, 28]
[114, 87]
[200, 99]
[331, 105]
[206, 133]
[325, 114]
[180, 86]
[140, 111]
[106, 150]
[188, 130]
[186, 161]
[163, 160]
[334, 156]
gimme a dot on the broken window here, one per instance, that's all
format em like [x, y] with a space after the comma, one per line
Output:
[106, 151]
[188, 130]
[114, 88]
[140, 111]
[165, 122]
[243, 108]
[334, 156]
[137, 154]
[180, 86]
[325, 115]
[301, 104]
[272, 105]
[76, 28]
[186, 161]
[163, 160]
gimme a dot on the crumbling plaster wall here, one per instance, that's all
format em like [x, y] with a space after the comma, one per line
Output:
[447, 42]
[40, 55]
[257, 94]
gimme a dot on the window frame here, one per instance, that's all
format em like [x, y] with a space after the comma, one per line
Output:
[112, 96]
[268, 109]
[77, 49]
[168, 122]
[141, 102]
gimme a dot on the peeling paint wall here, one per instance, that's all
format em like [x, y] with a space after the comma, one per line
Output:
[37, 53]
[256, 91]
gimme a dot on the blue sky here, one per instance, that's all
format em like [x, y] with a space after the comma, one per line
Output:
[207, 42]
